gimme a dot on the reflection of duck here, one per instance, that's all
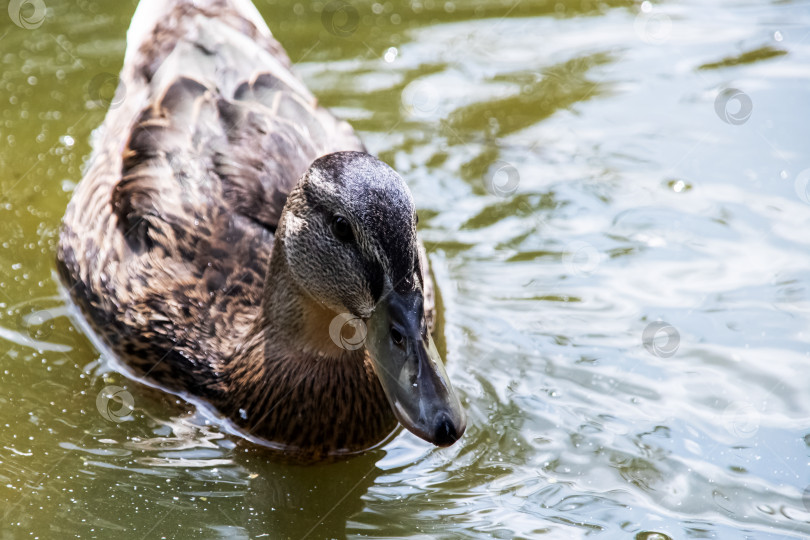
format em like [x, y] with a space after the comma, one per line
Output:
[314, 501]
[212, 250]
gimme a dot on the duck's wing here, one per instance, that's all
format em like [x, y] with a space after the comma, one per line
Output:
[224, 111]
[166, 240]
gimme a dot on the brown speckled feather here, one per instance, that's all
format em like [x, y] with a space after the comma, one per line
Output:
[166, 243]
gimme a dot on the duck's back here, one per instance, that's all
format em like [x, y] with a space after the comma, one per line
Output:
[166, 241]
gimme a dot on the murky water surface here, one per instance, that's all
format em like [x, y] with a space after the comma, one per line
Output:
[615, 198]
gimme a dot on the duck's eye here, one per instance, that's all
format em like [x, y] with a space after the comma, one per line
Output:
[397, 337]
[341, 229]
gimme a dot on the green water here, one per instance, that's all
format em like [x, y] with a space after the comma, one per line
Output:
[583, 171]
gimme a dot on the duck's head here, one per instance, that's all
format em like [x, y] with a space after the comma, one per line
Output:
[349, 235]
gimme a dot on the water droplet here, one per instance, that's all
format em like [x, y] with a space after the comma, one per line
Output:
[679, 186]
[391, 54]
[777, 36]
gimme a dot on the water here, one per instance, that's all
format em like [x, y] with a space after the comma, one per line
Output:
[584, 171]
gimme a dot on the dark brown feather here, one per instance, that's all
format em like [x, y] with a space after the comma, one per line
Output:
[166, 243]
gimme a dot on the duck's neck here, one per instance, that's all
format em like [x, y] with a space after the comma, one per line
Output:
[291, 384]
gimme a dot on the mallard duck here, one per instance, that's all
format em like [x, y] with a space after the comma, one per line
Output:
[232, 241]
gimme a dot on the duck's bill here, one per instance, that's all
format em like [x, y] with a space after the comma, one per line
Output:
[411, 370]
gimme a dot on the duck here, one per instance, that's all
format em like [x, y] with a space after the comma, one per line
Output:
[233, 242]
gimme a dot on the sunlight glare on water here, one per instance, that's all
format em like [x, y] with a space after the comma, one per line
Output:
[615, 200]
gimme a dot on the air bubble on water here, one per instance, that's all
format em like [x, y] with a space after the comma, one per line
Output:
[646, 7]
[391, 54]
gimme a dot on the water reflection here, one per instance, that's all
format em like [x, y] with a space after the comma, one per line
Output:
[306, 502]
